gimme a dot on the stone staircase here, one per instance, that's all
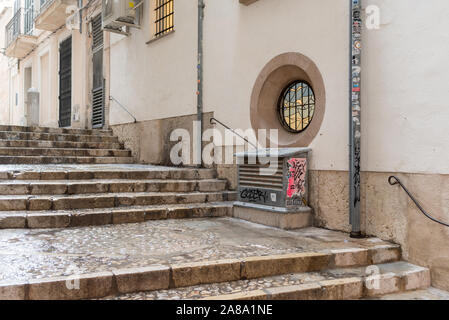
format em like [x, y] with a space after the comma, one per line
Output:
[73, 196]
[74, 208]
[36, 145]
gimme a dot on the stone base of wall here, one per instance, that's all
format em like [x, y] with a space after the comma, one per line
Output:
[149, 141]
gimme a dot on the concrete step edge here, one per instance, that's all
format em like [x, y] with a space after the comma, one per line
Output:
[120, 281]
[107, 216]
[87, 174]
[60, 149]
[55, 134]
[10, 160]
[72, 187]
[105, 200]
[55, 142]
[13, 128]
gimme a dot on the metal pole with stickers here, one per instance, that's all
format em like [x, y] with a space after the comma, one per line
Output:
[354, 115]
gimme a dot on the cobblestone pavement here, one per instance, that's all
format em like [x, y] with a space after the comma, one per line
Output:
[32, 254]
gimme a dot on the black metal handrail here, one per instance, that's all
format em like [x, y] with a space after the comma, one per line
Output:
[13, 28]
[391, 182]
[232, 130]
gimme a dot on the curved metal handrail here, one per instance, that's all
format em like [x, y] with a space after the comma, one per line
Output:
[232, 130]
[391, 182]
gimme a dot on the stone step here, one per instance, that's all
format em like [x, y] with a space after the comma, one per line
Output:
[154, 275]
[430, 293]
[109, 172]
[336, 284]
[62, 152]
[109, 200]
[95, 217]
[60, 187]
[56, 130]
[63, 160]
[17, 135]
[59, 144]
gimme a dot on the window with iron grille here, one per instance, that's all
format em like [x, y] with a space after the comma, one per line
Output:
[164, 17]
[29, 17]
[296, 106]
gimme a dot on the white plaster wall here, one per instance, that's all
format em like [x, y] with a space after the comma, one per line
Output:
[405, 109]
[5, 16]
[406, 94]
[155, 80]
[240, 40]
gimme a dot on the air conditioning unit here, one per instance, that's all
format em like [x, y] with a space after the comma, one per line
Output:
[119, 13]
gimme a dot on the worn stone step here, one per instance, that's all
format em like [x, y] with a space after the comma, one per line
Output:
[430, 293]
[109, 200]
[334, 284]
[99, 171]
[59, 187]
[17, 135]
[63, 160]
[59, 144]
[56, 130]
[119, 281]
[64, 152]
[95, 217]
[337, 284]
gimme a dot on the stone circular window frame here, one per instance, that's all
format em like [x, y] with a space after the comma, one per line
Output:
[272, 80]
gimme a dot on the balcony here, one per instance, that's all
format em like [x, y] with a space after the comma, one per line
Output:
[53, 14]
[19, 34]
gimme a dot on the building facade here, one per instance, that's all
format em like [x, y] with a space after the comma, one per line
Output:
[50, 54]
[253, 51]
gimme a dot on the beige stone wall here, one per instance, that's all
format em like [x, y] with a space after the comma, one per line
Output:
[149, 141]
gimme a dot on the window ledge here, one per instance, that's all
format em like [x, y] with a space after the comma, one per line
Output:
[160, 37]
[247, 2]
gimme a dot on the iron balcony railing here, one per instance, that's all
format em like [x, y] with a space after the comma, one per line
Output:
[13, 28]
[29, 17]
[20, 24]
[44, 4]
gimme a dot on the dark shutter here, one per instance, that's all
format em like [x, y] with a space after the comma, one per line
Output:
[65, 83]
[98, 81]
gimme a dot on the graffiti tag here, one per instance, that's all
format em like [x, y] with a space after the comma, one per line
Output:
[296, 177]
[254, 195]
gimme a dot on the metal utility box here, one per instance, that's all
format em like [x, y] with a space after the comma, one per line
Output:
[275, 179]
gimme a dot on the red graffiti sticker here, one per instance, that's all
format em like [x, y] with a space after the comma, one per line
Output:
[296, 177]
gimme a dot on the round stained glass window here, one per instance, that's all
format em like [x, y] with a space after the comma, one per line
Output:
[296, 106]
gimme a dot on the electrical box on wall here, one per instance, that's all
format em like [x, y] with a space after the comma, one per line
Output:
[274, 178]
[117, 14]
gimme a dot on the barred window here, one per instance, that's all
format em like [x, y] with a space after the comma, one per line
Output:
[296, 106]
[164, 17]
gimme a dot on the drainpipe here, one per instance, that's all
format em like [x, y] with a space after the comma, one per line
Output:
[354, 115]
[200, 82]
